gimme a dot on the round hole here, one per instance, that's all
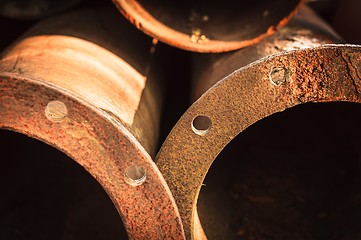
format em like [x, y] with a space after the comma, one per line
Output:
[135, 175]
[277, 75]
[56, 111]
[201, 125]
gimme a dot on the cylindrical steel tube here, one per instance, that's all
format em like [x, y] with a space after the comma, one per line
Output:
[302, 70]
[209, 26]
[86, 84]
[34, 9]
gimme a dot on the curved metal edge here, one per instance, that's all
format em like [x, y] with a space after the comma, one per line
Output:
[144, 21]
[322, 74]
[101, 145]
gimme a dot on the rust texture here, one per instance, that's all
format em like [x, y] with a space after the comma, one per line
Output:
[209, 26]
[305, 30]
[323, 74]
[81, 83]
[299, 71]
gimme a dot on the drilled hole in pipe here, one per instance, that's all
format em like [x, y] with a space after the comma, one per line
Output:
[56, 111]
[293, 175]
[135, 175]
[278, 75]
[201, 125]
[47, 195]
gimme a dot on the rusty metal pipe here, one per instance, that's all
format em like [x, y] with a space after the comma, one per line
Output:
[34, 9]
[209, 26]
[87, 84]
[305, 30]
[311, 72]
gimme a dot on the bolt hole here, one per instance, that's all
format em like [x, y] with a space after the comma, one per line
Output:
[135, 175]
[56, 111]
[201, 125]
[278, 75]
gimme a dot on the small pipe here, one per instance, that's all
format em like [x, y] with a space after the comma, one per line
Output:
[209, 26]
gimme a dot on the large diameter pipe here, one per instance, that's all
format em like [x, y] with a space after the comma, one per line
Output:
[302, 69]
[85, 83]
[209, 26]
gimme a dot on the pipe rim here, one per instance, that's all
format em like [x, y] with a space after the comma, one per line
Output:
[144, 21]
[321, 74]
[100, 144]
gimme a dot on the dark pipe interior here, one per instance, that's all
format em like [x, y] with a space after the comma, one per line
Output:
[34, 9]
[44, 194]
[294, 175]
[221, 20]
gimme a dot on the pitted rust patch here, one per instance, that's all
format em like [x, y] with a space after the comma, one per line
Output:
[103, 148]
[353, 65]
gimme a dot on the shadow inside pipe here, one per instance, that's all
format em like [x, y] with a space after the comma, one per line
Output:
[44, 194]
[293, 175]
[220, 20]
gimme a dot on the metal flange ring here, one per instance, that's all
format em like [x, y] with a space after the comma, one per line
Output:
[270, 85]
[76, 83]
[100, 144]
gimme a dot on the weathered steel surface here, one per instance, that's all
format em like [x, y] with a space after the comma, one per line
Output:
[321, 74]
[83, 83]
[297, 70]
[305, 30]
[209, 26]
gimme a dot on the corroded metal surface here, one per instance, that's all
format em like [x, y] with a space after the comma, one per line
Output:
[305, 30]
[76, 83]
[209, 26]
[321, 74]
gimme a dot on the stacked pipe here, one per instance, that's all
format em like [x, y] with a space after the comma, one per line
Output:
[85, 81]
[313, 72]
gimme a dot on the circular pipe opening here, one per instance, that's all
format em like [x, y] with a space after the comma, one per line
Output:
[47, 195]
[293, 175]
[204, 22]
